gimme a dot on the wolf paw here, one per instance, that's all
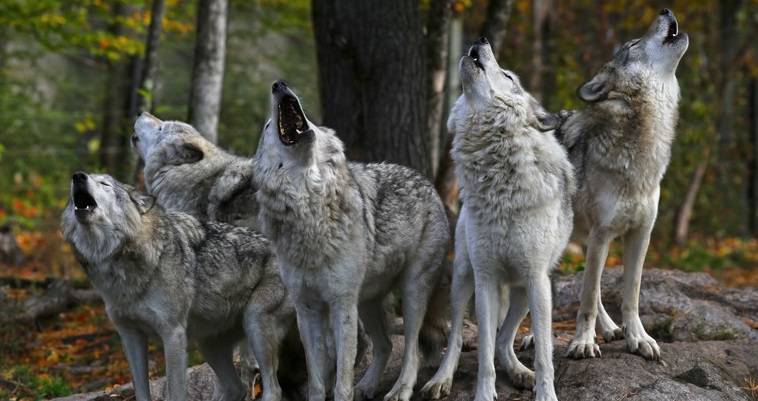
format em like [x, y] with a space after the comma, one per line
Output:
[613, 334]
[363, 391]
[644, 345]
[580, 349]
[522, 378]
[399, 392]
[437, 388]
[527, 342]
[547, 395]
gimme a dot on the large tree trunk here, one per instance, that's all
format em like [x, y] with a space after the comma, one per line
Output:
[752, 193]
[437, 46]
[498, 14]
[208, 67]
[541, 12]
[372, 79]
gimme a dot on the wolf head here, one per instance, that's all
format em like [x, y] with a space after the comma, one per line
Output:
[168, 142]
[491, 90]
[291, 144]
[640, 62]
[101, 213]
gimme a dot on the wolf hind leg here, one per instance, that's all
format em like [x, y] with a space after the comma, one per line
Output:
[374, 319]
[521, 376]
[419, 282]
[611, 331]
[218, 352]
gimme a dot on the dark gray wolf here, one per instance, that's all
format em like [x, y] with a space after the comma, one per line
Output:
[186, 172]
[620, 146]
[516, 185]
[347, 234]
[163, 272]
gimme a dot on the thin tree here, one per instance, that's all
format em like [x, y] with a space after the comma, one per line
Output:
[208, 67]
[437, 47]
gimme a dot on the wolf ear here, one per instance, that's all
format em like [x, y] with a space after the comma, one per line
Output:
[143, 202]
[184, 153]
[543, 120]
[596, 89]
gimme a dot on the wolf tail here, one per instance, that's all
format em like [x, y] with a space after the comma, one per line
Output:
[433, 335]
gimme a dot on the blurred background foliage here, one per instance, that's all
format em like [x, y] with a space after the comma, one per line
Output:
[54, 58]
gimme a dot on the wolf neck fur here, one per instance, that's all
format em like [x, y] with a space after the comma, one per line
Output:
[308, 211]
[496, 154]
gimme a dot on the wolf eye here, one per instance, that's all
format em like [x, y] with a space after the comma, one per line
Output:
[508, 76]
[267, 124]
[105, 183]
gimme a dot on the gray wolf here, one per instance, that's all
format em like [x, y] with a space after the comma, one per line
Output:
[516, 185]
[164, 273]
[186, 172]
[347, 234]
[620, 146]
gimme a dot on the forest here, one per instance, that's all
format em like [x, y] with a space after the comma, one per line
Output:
[75, 74]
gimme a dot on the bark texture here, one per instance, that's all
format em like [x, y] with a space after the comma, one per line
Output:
[372, 79]
[498, 14]
[208, 67]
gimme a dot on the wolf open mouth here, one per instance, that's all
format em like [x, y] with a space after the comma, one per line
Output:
[673, 32]
[474, 54]
[291, 120]
[83, 201]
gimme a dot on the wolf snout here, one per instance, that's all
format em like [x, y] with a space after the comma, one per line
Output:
[665, 11]
[79, 177]
[482, 41]
[278, 86]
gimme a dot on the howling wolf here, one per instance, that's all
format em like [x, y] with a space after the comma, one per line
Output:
[620, 146]
[348, 234]
[516, 183]
[165, 273]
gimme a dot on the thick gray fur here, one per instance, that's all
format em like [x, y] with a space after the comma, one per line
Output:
[186, 172]
[620, 146]
[516, 185]
[347, 234]
[164, 273]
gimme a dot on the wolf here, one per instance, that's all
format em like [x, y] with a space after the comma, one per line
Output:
[516, 185]
[620, 146]
[186, 172]
[347, 234]
[163, 272]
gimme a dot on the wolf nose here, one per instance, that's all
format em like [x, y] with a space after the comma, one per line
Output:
[483, 41]
[665, 11]
[278, 85]
[79, 177]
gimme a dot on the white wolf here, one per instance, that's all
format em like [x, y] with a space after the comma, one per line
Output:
[516, 220]
[347, 234]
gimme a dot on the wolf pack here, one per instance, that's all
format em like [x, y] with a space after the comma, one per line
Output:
[292, 253]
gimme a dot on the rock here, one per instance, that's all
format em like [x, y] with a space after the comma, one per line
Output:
[674, 305]
[707, 336]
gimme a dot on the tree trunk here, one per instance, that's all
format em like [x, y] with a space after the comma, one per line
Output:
[372, 79]
[143, 97]
[498, 14]
[437, 46]
[208, 67]
[541, 12]
[112, 140]
[752, 182]
[684, 215]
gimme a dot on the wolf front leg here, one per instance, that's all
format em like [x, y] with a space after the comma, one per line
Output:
[135, 348]
[583, 345]
[175, 352]
[636, 242]
[540, 305]
[313, 335]
[487, 314]
[460, 293]
[344, 317]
